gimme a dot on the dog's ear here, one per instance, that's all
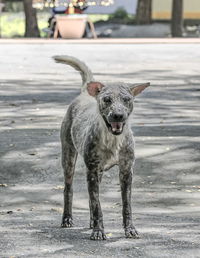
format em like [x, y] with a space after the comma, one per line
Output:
[94, 88]
[138, 88]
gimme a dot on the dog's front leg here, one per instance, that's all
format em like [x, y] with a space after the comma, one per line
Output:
[95, 207]
[69, 156]
[126, 182]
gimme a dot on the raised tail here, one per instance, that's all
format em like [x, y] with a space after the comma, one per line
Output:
[85, 72]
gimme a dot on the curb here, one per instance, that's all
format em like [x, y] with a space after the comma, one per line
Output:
[103, 41]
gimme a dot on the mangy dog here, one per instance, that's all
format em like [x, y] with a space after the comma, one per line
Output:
[96, 126]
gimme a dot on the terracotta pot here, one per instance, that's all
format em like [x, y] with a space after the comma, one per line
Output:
[71, 26]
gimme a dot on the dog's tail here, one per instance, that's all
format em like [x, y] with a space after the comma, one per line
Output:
[85, 72]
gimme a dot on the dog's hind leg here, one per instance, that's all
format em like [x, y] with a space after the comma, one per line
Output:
[69, 156]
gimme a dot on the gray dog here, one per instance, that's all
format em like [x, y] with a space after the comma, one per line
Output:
[96, 126]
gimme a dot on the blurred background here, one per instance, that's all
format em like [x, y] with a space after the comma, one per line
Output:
[111, 18]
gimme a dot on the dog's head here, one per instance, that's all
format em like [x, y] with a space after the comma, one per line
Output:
[115, 102]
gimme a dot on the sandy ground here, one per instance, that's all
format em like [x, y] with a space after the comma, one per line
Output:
[34, 94]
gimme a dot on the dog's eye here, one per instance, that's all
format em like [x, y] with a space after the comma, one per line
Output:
[107, 99]
[126, 99]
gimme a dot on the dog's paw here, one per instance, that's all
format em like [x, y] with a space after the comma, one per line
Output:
[131, 232]
[67, 223]
[98, 235]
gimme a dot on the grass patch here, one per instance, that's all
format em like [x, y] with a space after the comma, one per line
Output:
[98, 17]
[13, 24]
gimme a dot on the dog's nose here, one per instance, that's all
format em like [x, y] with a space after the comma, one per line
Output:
[117, 116]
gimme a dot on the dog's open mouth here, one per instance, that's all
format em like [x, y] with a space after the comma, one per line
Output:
[116, 128]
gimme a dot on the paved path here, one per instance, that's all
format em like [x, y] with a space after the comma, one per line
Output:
[34, 94]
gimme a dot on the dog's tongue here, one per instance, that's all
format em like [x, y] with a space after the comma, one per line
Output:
[116, 126]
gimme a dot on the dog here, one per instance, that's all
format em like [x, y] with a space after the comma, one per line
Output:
[96, 127]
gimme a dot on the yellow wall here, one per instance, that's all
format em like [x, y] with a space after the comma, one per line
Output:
[161, 9]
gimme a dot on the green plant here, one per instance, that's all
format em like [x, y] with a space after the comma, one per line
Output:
[120, 14]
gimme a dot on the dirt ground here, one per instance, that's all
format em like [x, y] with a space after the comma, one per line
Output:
[34, 94]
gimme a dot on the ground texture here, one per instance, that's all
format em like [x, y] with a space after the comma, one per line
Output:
[34, 94]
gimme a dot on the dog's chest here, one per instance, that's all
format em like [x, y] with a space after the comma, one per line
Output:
[109, 150]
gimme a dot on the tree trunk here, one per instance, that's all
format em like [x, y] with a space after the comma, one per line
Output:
[177, 18]
[1, 7]
[143, 14]
[31, 30]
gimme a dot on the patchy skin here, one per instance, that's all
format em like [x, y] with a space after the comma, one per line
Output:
[96, 127]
